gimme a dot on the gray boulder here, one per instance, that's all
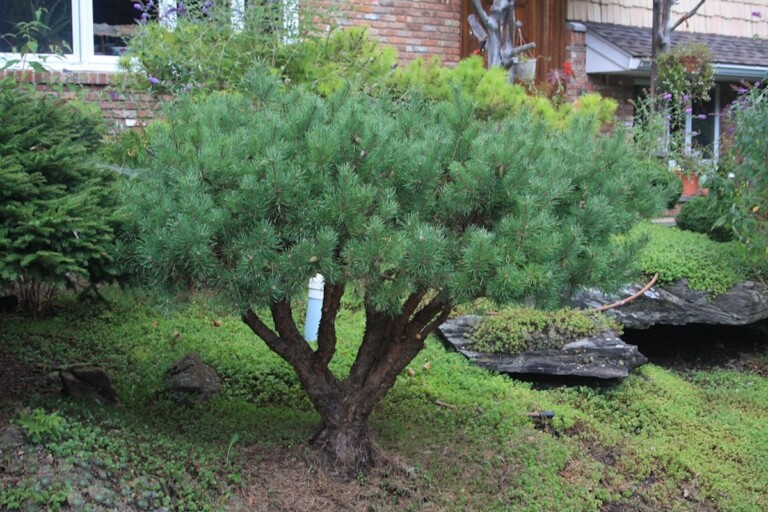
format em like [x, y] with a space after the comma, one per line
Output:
[676, 304]
[604, 356]
[191, 381]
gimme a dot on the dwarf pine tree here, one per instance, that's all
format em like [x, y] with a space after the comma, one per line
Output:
[419, 205]
[55, 205]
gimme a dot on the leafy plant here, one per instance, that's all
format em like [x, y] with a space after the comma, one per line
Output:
[204, 50]
[700, 215]
[515, 330]
[327, 64]
[41, 427]
[741, 186]
[665, 180]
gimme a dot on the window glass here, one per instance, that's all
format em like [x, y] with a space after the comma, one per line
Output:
[114, 21]
[703, 123]
[53, 31]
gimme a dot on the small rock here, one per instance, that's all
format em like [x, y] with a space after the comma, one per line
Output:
[190, 380]
[12, 437]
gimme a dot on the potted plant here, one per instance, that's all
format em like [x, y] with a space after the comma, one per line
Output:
[686, 71]
[524, 68]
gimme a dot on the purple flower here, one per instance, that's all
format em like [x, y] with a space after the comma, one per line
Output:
[686, 97]
[701, 116]
[758, 83]
[688, 110]
[741, 90]
[144, 16]
[757, 14]
[150, 4]
[667, 96]
[114, 96]
[187, 87]
[137, 6]
[154, 80]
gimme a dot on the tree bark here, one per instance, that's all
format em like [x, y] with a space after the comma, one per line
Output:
[661, 33]
[390, 342]
[499, 34]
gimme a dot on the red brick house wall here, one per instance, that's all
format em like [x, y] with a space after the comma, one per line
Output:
[420, 28]
[620, 88]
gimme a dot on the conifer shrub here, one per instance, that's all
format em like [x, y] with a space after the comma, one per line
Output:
[55, 205]
[494, 95]
[415, 204]
[701, 215]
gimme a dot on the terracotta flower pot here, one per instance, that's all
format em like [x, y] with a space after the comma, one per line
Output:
[690, 183]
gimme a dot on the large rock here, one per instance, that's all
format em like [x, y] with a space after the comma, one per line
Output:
[89, 382]
[604, 356]
[676, 304]
[190, 380]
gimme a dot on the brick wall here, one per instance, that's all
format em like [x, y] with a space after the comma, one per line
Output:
[417, 28]
[620, 88]
[120, 109]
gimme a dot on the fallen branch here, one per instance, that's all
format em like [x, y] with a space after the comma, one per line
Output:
[445, 404]
[631, 298]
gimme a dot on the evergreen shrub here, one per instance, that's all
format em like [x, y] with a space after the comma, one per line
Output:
[56, 206]
[700, 215]
[494, 95]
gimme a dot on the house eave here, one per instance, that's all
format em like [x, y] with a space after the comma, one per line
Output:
[605, 58]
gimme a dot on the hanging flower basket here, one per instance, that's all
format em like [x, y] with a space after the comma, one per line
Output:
[524, 71]
[691, 63]
[686, 71]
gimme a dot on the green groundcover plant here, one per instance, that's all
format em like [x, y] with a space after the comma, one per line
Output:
[659, 440]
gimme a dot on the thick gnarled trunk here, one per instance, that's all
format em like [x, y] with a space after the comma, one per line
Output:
[389, 344]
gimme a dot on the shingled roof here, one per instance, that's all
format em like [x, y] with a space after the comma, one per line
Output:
[636, 41]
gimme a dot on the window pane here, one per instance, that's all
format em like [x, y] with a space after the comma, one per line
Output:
[114, 20]
[704, 123]
[49, 23]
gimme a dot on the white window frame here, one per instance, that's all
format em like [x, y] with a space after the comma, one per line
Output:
[83, 57]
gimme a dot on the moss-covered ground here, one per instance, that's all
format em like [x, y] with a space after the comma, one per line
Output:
[457, 437]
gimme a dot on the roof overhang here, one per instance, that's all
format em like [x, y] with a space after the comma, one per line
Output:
[605, 58]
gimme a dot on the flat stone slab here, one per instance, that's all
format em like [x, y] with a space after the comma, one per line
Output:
[604, 356]
[676, 304]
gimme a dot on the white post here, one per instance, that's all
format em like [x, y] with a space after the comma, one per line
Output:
[314, 308]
